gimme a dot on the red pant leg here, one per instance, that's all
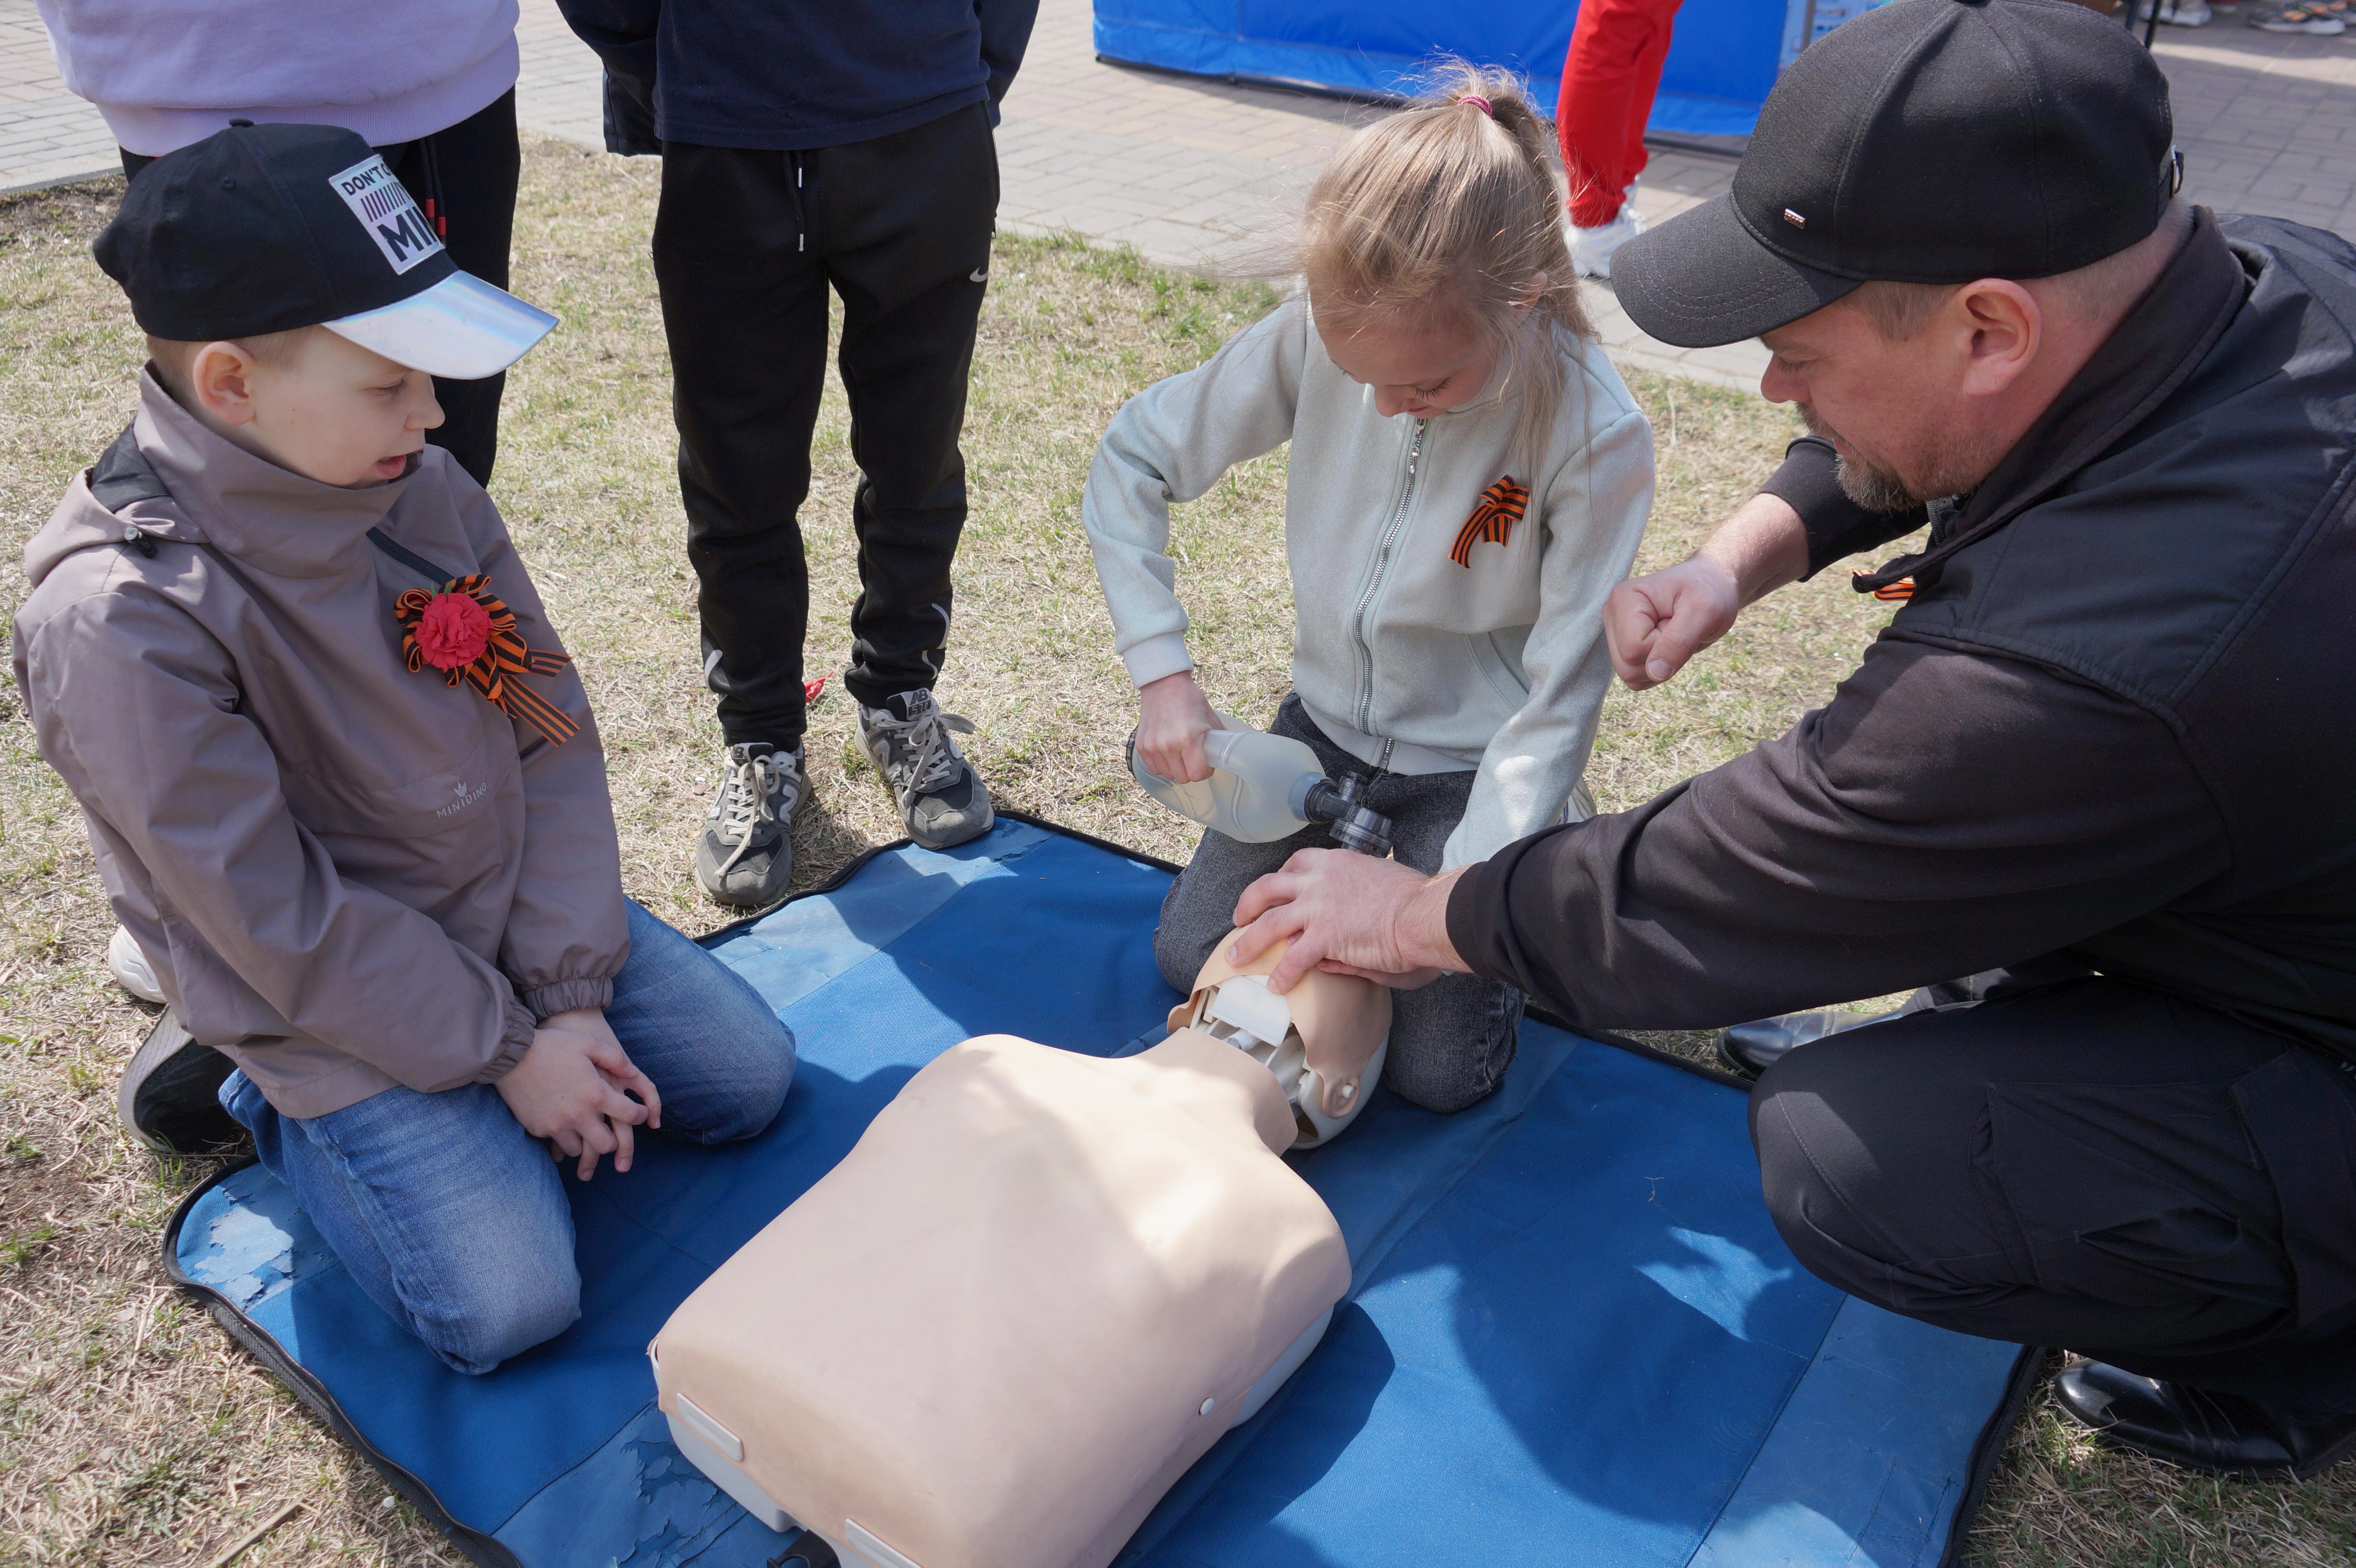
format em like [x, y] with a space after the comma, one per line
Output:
[1608, 78]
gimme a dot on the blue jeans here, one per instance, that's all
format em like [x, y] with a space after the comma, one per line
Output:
[454, 1219]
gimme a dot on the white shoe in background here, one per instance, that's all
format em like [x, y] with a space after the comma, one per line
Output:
[1590, 249]
[130, 968]
[2186, 13]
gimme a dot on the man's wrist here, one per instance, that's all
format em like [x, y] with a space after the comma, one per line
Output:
[1760, 547]
[1421, 927]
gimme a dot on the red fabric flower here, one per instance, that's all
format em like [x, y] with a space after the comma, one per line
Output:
[452, 631]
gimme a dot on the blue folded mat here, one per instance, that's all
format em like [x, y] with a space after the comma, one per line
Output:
[1572, 1336]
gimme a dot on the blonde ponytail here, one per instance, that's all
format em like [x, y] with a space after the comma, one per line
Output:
[1450, 212]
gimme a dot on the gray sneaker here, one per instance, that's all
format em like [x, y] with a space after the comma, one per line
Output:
[748, 854]
[942, 800]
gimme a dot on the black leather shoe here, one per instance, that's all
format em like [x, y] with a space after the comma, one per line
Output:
[1749, 1050]
[2221, 1433]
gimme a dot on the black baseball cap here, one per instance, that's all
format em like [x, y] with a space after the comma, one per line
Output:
[264, 228]
[1929, 141]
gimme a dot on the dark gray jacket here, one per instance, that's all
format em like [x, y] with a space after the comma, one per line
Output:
[2117, 722]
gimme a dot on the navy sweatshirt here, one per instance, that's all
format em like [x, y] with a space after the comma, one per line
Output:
[789, 75]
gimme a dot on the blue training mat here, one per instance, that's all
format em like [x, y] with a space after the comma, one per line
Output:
[1572, 1335]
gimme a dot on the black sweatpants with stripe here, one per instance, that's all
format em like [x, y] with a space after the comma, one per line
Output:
[748, 245]
[2085, 1164]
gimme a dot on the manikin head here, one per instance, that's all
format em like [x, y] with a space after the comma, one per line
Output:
[1325, 1040]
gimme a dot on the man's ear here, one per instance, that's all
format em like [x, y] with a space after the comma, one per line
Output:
[221, 375]
[2006, 327]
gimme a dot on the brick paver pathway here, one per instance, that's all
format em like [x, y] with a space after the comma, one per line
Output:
[1195, 172]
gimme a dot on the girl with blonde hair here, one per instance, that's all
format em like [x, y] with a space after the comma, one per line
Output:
[1468, 479]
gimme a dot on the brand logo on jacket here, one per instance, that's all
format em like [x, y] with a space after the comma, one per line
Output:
[467, 795]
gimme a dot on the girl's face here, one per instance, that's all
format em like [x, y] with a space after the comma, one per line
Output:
[1415, 367]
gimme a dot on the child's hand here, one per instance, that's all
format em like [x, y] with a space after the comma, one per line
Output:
[1173, 718]
[568, 1088]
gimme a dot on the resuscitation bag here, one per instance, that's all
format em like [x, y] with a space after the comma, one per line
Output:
[1258, 786]
[1040, 1288]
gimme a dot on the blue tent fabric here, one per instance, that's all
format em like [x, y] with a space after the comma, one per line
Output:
[1723, 60]
[1572, 1335]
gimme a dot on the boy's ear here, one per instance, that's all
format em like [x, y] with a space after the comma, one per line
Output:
[221, 375]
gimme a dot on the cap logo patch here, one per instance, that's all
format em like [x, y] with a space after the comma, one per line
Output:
[386, 210]
[1794, 220]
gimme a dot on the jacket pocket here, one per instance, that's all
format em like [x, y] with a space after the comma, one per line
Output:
[2128, 1190]
[361, 797]
[1503, 674]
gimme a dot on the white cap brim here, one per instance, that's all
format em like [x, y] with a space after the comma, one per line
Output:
[461, 329]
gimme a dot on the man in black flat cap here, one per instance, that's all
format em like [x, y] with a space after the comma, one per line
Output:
[2103, 761]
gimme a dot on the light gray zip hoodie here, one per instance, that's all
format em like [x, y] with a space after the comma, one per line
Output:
[1404, 657]
[350, 876]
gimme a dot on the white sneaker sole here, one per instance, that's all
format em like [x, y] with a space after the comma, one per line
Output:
[130, 968]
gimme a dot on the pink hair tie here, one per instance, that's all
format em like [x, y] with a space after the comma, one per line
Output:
[1477, 102]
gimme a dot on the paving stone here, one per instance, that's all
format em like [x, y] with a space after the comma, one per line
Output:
[1193, 171]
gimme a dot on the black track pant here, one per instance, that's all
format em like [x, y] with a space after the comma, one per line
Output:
[468, 172]
[2083, 1164]
[747, 246]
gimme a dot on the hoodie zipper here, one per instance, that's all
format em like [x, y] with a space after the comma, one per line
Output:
[1375, 583]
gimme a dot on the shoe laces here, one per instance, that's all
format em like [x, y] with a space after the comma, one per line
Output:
[926, 732]
[755, 788]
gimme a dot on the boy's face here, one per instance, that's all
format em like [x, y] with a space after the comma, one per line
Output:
[324, 408]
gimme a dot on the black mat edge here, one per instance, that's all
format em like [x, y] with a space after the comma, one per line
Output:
[477, 1547]
[1638, 1048]
[2028, 1367]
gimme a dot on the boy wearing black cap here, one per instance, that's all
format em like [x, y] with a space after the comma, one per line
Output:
[342, 784]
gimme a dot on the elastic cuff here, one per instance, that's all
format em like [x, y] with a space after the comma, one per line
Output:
[1152, 659]
[564, 996]
[1809, 481]
[513, 1044]
[1472, 907]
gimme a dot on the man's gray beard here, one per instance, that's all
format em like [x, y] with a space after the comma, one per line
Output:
[1872, 489]
[1863, 484]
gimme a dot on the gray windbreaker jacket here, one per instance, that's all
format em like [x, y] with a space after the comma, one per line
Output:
[349, 876]
[1423, 643]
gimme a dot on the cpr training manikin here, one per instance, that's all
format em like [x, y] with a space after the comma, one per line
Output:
[1039, 1287]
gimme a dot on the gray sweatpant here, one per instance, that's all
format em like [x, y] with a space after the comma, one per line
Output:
[1450, 1041]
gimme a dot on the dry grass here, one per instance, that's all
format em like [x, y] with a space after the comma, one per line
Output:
[132, 1431]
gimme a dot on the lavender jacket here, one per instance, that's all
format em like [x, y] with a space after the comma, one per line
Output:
[168, 73]
[350, 876]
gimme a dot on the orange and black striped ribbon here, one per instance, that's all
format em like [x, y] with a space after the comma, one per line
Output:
[504, 658]
[1501, 506]
[1890, 593]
